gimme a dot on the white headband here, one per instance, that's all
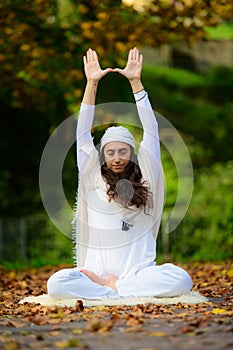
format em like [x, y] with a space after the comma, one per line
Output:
[117, 134]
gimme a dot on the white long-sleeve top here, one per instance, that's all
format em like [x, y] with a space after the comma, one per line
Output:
[101, 244]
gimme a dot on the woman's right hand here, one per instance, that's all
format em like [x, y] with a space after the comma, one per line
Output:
[92, 67]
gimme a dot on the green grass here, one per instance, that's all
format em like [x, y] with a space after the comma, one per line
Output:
[221, 32]
[174, 76]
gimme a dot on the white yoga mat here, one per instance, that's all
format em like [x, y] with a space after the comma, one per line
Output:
[191, 298]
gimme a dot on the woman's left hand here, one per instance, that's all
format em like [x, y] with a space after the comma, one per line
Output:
[133, 68]
[107, 281]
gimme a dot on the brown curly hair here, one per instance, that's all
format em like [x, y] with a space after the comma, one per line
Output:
[127, 188]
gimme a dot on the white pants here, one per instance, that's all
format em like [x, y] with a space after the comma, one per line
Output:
[165, 280]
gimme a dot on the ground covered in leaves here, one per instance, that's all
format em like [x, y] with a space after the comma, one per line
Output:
[204, 326]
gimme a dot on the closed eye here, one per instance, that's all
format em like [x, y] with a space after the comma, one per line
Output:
[123, 151]
[110, 153]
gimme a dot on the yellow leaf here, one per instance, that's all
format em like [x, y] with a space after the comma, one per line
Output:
[12, 345]
[25, 47]
[78, 93]
[120, 46]
[71, 343]
[54, 333]
[100, 308]
[23, 284]
[221, 311]
[157, 334]
[12, 274]
[204, 284]
[61, 344]
[78, 331]
[230, 273]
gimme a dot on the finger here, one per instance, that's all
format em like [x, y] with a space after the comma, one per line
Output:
[140, 58]
[94, 55]
[88, 55]
[107, 70]
[135, 53]
[118, 70]
[130, 57]
[84, 60]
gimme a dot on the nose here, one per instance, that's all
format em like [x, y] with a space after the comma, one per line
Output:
[117, 159]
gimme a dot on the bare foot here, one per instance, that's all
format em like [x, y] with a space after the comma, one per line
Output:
[108, 280]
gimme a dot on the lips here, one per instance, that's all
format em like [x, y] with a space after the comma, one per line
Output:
[118, 167]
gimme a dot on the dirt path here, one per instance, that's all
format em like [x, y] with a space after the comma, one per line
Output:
[206, 326]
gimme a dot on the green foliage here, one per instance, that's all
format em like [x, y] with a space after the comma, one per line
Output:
[41, 47]
[206, 231]
[42, 42]
[46, 244]
[174, 77]
[34, 241]
[197, 107]
[203, 114]
[171, 178]
[219, 85]
[222, 32]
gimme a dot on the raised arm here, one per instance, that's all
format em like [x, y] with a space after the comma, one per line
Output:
[93, 74]
[132, 72]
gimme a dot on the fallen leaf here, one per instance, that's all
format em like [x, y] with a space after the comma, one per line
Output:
[157, 334]
[54, 333]
[230, 273]
[95, 324]
[78, 331]
[133, 320]
[221, 311]
[12, 345]
[78, 306]
[61, 344]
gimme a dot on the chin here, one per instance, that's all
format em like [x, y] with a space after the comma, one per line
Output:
[117, 171]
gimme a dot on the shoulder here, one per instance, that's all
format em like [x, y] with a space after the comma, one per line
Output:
[91, 164]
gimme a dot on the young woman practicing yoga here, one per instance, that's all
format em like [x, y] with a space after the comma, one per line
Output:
[120, 203]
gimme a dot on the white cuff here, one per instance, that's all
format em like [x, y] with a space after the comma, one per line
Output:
[140, 95]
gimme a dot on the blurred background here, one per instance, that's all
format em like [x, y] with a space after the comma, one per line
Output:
[188, 72]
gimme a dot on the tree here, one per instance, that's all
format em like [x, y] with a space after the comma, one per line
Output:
[41, 47]
[42, 42]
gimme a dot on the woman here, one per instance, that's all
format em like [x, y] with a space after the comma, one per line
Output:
[120, 203]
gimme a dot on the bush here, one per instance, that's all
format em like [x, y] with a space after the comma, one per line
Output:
[199, 106]
[219, 84]
[206, 231]
[37, 242]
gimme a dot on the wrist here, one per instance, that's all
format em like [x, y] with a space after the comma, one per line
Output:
[90, 92]
[92, 82]
[136, 85]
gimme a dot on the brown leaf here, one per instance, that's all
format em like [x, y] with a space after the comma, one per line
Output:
[95, 324]
[134, 321]
[12, 345]
[78, 306]
[187, 329]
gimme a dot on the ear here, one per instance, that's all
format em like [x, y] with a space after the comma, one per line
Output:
[102, 157]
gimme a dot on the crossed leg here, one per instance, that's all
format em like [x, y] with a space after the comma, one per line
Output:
[166, 280]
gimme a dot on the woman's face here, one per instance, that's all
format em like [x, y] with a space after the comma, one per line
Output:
[117, 156]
